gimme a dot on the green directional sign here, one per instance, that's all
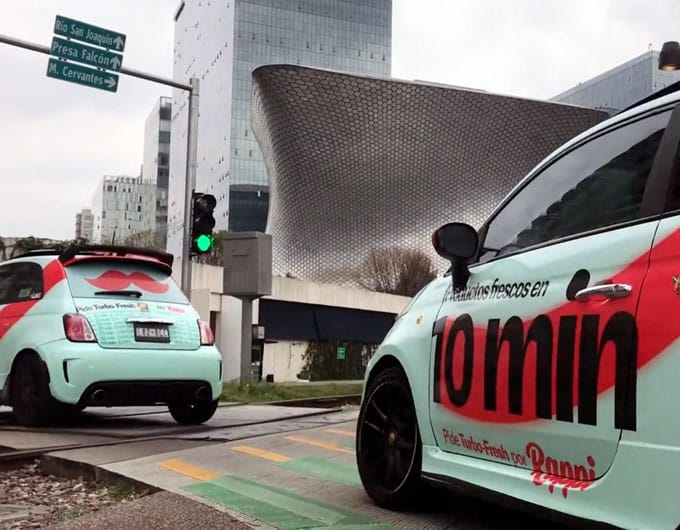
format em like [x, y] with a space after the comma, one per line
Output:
[76, 30]
[82, 75]
[86, 54]
[340, 352]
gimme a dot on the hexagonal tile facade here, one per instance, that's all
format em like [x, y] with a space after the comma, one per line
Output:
[356, 163]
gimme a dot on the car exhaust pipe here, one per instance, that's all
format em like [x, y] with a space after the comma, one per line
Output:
[202, 393]
[98, 395]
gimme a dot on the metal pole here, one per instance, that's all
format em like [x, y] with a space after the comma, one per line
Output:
[189, 185]
[246, 339]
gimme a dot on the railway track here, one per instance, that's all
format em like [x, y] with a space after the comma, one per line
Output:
[12, 457]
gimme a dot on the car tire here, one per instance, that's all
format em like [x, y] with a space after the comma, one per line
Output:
[32, 403]
[388, 444]
[193, 412]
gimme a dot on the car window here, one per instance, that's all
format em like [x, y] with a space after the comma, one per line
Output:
[598, 184]
[105, 277]
[20, 282]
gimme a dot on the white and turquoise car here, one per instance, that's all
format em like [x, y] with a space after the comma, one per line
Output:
[544, 367]
[102, 326]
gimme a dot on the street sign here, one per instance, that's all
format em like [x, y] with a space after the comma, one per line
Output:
[82, 75]
[340, 352]
[102, 58]
[77, 30]
[81, 53]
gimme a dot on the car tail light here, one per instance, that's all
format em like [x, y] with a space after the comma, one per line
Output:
[207, 337]
[78, 329]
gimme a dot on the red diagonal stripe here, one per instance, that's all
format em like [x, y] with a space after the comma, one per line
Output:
[53, 273]
[656, 322]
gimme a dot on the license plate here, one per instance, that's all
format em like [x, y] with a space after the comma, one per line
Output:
[152, 333]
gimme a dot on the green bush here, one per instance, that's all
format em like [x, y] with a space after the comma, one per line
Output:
[325, 361]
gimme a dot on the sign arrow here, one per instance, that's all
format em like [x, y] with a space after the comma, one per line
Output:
[110, 82]
[118, 42]
[115, 63]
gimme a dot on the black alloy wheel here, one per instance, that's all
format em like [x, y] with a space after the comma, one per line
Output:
[32, 402]
[193, 412]
[388, 446]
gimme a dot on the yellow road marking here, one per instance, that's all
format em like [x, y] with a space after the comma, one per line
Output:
[184, 468]
[320, 443]
[262, 453]
[351, 434]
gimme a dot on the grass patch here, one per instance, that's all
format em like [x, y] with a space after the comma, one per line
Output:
[120, 493]
[64, 514]
[261, 392]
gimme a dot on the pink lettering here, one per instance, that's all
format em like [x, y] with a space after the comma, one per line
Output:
[559, 473]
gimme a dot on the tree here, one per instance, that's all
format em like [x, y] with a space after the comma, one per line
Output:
[335, 360]
[395, 270]
[145, 239]
[26, 244]
[215, 256]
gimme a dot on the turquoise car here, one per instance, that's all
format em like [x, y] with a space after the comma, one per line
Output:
[543, 369]
[102, 326]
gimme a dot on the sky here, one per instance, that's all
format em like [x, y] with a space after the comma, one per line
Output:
[58, 139]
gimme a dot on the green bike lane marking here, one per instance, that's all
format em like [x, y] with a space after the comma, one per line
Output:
[278, 507]
[324, 469]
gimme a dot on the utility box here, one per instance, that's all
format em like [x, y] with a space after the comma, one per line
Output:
[247, 264]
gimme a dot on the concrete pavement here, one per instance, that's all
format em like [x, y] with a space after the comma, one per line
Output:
[291, 479]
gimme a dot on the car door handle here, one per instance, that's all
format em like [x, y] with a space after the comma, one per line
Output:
[610, 290]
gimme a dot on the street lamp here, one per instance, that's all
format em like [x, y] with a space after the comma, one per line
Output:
[669, 57]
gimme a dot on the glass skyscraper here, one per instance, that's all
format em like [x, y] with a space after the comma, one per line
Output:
[221, 43]
[622, 86]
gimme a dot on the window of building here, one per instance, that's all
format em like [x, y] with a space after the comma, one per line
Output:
[598, 184]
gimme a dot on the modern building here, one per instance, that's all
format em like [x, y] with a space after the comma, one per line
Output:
[621, 86]
[359, 163]
[84, 224]
[118, 208]
[221, 43]
[156, 165]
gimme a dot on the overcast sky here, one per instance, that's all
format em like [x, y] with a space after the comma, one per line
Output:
[57, 139]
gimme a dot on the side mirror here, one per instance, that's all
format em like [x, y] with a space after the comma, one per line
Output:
[457, 242]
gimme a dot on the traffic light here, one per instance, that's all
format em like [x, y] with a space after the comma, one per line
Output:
[202, 223]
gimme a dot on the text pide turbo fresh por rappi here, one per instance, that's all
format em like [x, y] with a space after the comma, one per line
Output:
[499, 291]
[545, 469]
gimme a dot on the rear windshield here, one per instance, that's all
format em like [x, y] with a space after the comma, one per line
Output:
[102, 279]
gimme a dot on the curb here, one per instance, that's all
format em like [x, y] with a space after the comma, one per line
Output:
[63, 467]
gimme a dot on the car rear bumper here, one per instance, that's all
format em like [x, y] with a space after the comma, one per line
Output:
[86, 374]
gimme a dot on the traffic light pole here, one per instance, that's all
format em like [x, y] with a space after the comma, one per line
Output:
[189, 185]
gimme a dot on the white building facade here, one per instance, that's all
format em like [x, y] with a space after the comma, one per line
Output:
[84, 224]
[120, 209]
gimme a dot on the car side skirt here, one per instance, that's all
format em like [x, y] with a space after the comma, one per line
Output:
[469, 489]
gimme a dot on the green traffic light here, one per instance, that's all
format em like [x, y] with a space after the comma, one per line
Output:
[204, 242]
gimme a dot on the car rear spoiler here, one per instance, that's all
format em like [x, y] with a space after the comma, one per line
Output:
[72, 251]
